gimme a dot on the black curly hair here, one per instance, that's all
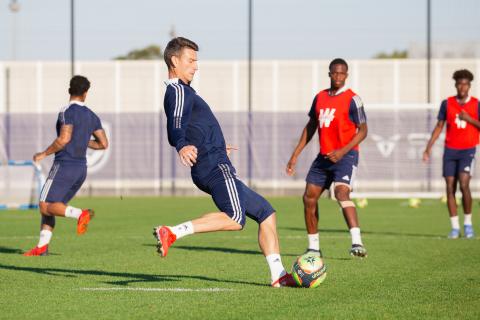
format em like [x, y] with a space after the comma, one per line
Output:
[463, 74]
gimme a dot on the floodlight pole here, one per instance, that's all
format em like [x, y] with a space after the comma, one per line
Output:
[429, 75]
[250, 116]
[14, 7]
[429, 49]
[7, 113]
[72, 37]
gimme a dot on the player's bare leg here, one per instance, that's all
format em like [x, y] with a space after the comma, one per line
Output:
[451, 183]
[310, 203]
[267, 236]
[342, 194]
[464, 181]
[59, 209]
[268, 242]
[47, 225]
[310, 206]
[210, 222]
[51, 210]
[217, 221]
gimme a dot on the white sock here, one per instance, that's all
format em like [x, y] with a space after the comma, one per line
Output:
[455, 222]
[45, 236]
[313, 241]
[72, 212]
[356, 237]
[276, 266]
[183, 229]
[467, 219]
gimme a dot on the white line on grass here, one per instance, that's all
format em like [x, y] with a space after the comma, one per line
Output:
[159, 289]
[367, 234]
[17, 237]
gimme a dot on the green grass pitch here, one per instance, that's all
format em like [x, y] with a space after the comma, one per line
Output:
[113, 271]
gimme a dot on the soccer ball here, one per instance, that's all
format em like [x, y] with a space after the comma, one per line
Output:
[309, 271]
[414, 202]
[362, 203]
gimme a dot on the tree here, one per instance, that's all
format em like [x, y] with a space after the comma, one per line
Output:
[400, 54]
[152, 52]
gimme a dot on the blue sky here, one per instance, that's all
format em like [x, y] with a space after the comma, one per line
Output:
[283, 29]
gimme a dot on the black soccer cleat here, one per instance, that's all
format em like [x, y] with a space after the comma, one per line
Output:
[314, 252]
[358, 250]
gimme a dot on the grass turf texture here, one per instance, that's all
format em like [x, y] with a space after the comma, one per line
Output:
[412, 270]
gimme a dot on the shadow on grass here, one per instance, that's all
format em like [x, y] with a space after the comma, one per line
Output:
[126, 278]
[10, 250]
[6, 250]
[327, 257]
[219, 249]
[230, 250]
[385, 233]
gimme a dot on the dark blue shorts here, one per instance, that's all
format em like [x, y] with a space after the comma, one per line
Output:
[63, 182]
[233, 197]
[456, 161]
[324, 172]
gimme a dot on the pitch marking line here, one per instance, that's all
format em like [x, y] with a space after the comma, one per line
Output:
[382, 236]
[159, 289]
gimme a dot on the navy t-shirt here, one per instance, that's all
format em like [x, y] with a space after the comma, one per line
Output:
[84, 122]
[190, 121]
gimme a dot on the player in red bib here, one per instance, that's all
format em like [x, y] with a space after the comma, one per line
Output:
[339, 116]
[461, 114]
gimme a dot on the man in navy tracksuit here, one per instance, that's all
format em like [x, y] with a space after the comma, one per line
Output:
[196, 134]
[76, 124]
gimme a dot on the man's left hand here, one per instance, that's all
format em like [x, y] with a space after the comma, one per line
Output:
[335, 155]
[463, 115]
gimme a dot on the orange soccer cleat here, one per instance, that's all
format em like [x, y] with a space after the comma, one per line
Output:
[37, 251]
[165, 238]
[83, 220]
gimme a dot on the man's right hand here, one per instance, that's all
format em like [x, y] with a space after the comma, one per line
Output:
[291, 166]
[426, 156]
[230, 148]
[188, 155]
[37, 157]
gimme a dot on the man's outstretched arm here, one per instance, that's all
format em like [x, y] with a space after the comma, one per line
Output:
[307, 134]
